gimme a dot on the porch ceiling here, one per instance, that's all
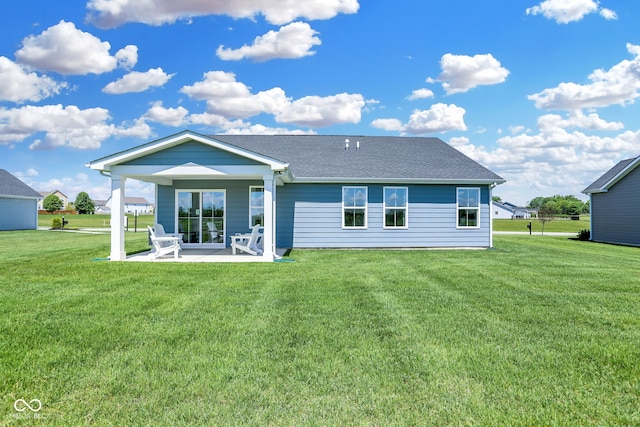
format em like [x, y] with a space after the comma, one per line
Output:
[166, 175]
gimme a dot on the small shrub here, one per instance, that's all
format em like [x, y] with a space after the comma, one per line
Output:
[584, 234]
[56, 223]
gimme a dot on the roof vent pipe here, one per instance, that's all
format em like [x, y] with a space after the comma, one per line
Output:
[357, 145]
[346, 144]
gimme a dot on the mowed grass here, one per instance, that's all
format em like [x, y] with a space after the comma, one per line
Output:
[95, 221]
[538, 331]
[557, 226]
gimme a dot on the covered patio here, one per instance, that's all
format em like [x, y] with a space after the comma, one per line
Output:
[224, 194]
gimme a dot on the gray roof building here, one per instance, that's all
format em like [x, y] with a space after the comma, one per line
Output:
[18, 204]
[615, 202]
[371, 158]
[12, 186]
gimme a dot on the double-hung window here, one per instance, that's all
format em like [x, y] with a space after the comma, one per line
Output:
[468, 207]
[354, 207]
[395, 207]
[256, 206]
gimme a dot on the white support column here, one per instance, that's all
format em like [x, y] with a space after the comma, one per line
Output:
[117, 218]
[491, 216]
[269, 217]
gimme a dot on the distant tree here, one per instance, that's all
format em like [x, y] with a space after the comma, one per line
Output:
[84, 204]
[496, 199]
[52, 203]
[546, 213]
[537, 203]
[563, 205]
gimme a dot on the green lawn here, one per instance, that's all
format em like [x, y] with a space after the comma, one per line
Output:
[95, 221]
[558, 225]
[540, 330]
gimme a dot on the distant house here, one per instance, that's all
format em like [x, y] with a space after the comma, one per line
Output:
[132, 205]
[101, 207]
[615, 204]
[500, 211]
[308, 191]
[58, 193]
[519, 212]
[510, 211]
[18, 204]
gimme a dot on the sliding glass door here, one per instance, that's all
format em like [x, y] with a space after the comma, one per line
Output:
[201, 217]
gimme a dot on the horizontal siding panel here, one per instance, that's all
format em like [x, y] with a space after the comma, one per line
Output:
[191, 152]
[18, 214]
[615, 214]
[315, 219]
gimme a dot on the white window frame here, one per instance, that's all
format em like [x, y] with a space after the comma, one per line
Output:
[251, 207]
[365, 208]
[385, 207]
[459, 208]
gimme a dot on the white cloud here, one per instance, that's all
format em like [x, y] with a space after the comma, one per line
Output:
[316, 111]
[19, 85]
[167, 116]
[127, 57]
[228, 98]
[420, 94]
[63, 126]
[565, 11]
[619, 85]
[388, 124]
[67, 50]
[608, 14]
[239, 127]
[112, 13]
[232, 99]
[291, 41]
[560, 158]
[438, 118]
[461, 73]
[138, 82]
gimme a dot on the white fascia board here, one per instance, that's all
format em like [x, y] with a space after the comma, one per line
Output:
[107, 163]
[624, 172]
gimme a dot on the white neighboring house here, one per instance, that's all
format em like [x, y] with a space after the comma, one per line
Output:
[500, 211]
[508, 210]
[101, 207]
[132, 205]
[518, 212]
[60, 194]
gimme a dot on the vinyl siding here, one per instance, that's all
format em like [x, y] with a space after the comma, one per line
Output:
[18, 214]
[615, 215]
[310, 216]
[236, 209]
[191, 152]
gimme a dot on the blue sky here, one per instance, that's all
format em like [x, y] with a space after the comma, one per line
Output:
[541, 92]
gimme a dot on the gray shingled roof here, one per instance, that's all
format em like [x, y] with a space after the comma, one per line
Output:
[379, 157]
[12, 186]
[598, 184]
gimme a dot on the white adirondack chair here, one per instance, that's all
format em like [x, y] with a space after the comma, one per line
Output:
[247, 242]
[164, 245]
[159, 230]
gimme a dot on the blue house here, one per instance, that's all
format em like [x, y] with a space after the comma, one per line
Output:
[615, 203]
[308, 191]
[18, 204]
